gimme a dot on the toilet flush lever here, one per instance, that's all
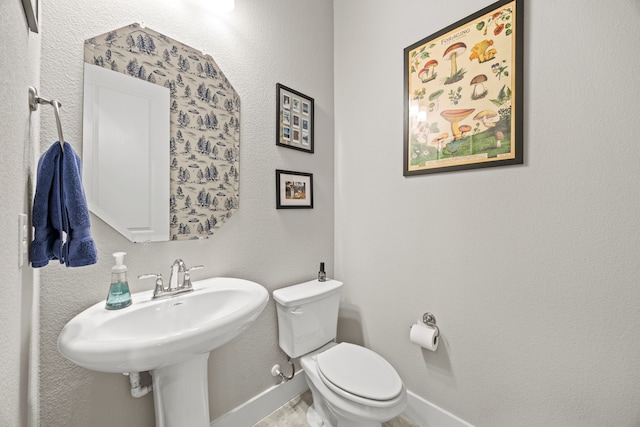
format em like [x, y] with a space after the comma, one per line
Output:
[296, 311]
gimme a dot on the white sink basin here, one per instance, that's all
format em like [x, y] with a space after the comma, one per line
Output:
[151, 334]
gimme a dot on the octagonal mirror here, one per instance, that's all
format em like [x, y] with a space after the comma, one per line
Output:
[161, 137]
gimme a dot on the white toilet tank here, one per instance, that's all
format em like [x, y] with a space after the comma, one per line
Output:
[307, 315]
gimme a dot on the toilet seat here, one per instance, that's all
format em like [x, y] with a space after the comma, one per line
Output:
[359, 374]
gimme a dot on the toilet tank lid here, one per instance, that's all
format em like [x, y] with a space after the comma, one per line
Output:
[305, 292]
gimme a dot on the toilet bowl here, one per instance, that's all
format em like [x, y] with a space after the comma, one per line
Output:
[352, 386]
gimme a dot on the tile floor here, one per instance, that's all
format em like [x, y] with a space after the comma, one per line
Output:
[294, 414]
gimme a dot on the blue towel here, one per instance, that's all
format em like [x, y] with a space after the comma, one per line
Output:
[60, 213]
[47, 209]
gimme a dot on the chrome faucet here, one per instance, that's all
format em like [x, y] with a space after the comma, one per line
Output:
[179, 280]
[177, 274]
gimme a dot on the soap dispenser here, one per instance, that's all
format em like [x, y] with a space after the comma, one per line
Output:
[119, 295]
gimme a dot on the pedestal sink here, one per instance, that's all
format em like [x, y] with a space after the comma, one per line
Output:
[170, 337]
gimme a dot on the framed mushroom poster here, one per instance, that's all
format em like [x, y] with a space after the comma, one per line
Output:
[294, 119]
[463, 94]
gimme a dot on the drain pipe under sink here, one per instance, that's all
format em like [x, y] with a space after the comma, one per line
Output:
[136, 389]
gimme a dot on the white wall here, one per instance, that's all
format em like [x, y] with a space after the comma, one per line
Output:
[532, 271]
[257, 45]
[19, 67]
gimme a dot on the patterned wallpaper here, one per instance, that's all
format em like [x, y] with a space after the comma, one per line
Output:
[205, 123]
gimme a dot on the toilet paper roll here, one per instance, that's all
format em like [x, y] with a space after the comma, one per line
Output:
[425, 336]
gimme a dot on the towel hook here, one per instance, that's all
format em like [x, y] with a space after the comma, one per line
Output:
[34, 100]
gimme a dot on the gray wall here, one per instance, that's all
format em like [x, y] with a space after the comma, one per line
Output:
[257, 45]
[531, 271]
[20, 68]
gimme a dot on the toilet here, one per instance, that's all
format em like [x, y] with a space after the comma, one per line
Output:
[352, 386]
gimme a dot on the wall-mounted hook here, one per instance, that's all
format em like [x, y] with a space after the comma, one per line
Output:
[34, 100]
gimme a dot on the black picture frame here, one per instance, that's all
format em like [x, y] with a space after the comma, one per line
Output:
[294, 190]
[31, 13]
[452, 120]
[294, 119]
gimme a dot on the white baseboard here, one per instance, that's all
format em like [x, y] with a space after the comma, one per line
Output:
[427, 414]
[263, 404]
[420, 410]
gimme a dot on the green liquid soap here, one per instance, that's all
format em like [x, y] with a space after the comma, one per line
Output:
[119, 296]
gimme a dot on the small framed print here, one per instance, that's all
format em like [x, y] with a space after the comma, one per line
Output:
[294, 119]
[294, 190]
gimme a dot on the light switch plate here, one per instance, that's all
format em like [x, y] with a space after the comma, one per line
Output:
[23, 235]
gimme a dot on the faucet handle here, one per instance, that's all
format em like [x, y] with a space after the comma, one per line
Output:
[159, 288]
[186, 283]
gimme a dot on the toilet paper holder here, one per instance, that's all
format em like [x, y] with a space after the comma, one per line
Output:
[430, 320]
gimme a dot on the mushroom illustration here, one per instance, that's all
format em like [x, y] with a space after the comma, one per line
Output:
[428, 72]
[489, 118]
[478, 82]
[451, 54]
[481, 51]
[433, 98]
[464, 129]
[454, 117]
[438, 140]
[420, 132]
[499, 137]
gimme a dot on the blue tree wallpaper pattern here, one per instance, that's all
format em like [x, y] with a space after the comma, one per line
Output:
[205, 123]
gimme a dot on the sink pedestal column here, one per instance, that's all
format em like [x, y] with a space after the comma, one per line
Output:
[181, 393]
